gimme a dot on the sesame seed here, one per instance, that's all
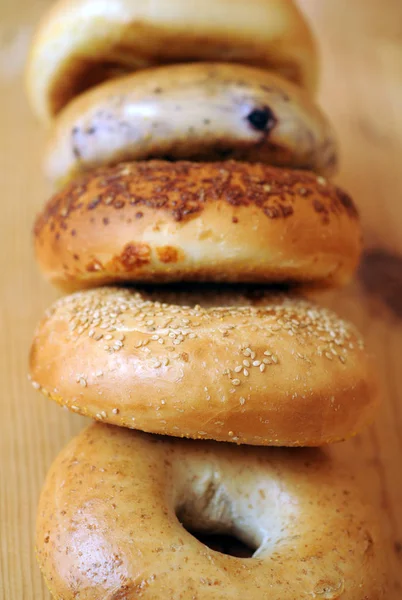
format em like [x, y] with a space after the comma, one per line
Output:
[83, 382]
[115, 411]
[238, 369]
[256, 363]
[245, 373]
[262, 368]
[235, 382]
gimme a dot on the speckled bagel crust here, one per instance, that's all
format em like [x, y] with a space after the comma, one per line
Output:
[201, 111]
[230, 221]
[263, 370]
[110, 514]
[83, 42]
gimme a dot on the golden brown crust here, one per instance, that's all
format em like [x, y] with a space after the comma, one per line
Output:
[108, 522]
[231, 221]
[201, 111]
[262, 370]
[83, 42]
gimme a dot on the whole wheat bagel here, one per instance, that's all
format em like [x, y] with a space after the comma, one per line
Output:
[83, 42]
[110, 521]
[263, 370]
[202, 111]
[230, 221]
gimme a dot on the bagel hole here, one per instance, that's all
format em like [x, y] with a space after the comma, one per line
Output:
[207, 514]
[224, 543]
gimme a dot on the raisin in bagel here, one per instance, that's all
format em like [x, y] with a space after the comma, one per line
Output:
[83, 42]
[263, 370]
[230, 221]
[202, 111]
[110, 514]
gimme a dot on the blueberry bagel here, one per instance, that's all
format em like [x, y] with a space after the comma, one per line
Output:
[202, 111]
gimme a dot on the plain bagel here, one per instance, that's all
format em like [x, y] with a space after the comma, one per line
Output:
[83, 42]
[158, 221]
[201, 111]
[259, 369]
[118, 506]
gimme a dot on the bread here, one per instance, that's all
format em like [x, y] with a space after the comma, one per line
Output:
[118, 508]
[265, 370]
[81, 43]
[158, 221]
[201, 111]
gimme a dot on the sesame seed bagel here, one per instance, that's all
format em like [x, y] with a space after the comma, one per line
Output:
[118, 507]
[253, 369]
[158, 221]
[83, 42]
[202, 111]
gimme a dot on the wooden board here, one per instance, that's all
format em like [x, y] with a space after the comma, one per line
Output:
[361, 44]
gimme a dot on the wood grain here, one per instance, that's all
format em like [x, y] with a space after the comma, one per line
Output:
[361, 45]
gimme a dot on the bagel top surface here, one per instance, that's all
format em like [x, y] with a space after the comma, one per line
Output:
[111, 513]
[224, 221]
[253, 368]
[198, 111]
[83, 42]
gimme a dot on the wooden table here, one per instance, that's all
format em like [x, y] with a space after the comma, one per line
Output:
[362, 92]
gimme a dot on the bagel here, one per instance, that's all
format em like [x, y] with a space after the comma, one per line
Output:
[83, 42]
[260, 369]
[201, 111]
[159, 221]
[111, 512]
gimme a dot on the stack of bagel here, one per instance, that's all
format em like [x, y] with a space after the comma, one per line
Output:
[191, 207]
